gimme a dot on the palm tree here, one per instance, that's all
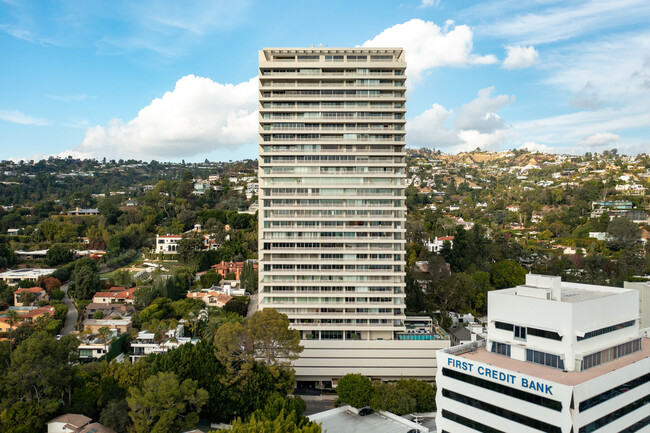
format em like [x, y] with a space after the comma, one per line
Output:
[104, 335]
[12, 319]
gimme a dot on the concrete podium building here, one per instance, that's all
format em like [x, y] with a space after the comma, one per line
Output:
[559, 357]
[332, 205]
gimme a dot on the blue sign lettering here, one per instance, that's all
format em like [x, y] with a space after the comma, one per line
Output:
[500, 376]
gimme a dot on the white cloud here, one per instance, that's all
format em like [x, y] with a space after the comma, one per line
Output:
[578, 18]
[616, 65]
[429, 46]
[429, 3]
[600, 139]
[480, 114]
[519, 57]
[531, 146]
[486, 141]
[15, 116]
[477, 124]
[428, 129]
[197, 117]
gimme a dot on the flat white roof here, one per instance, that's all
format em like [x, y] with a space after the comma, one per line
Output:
[26, 273]
[538, 286]
[344, 420]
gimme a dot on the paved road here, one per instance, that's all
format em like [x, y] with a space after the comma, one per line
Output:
[71, 318]
[252, 305]
[318, 403]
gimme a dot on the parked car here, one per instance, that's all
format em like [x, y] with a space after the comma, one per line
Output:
[365, 411]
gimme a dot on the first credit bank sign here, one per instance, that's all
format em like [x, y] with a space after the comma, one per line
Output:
[499, 375]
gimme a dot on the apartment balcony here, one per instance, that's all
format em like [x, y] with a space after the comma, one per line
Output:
[322, 73]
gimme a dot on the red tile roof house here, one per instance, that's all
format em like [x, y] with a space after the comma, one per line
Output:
[39, 294]
[26, 317]
[224, 268]
[124, 295]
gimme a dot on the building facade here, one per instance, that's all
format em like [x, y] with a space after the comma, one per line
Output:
[560, 357]
[331, 190]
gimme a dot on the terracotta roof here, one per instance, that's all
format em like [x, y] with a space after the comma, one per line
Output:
[31, 289]
[117, 289]
[40, 311]
[105, 295]
[73, 419]
[446, 238]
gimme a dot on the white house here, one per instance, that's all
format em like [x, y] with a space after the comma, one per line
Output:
[436, 245]
[145, 343]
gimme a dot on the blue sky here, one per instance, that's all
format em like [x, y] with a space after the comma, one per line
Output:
[172, 80]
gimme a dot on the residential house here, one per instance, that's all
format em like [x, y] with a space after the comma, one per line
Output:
[211, 299]
[120, 295]
[513, 208]
[225, 268]
[167, 244]
[13, 277]
[116, 325]
[83, 212]
[107, 309]
[25, 315]
[436, 245]
[146, 342]
[40, 294]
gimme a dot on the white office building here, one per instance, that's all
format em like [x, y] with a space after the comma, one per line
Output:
[559, 357]
[331, 190]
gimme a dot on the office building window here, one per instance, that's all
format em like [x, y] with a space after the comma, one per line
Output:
[607, 330]
[469, 422]
[544, 358]
[504, 326]
[520, 332]
[614, 392]
[613, 416]
[610, 354]
[504, 413]
[502, 389]
[501, 348]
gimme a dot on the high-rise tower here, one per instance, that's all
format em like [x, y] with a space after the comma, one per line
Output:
[331, 194]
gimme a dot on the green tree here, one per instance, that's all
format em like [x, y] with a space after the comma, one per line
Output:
[285, 423]
[507, 273]
[248, 278]
[624, 231]
[355, 390]
[116, 416]
[189, 248]
[272, 340]
[37, 380]
[238, 305]
[144, 296]
[165, 404]
[86, 278]
[390, 397]
[58, 254]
